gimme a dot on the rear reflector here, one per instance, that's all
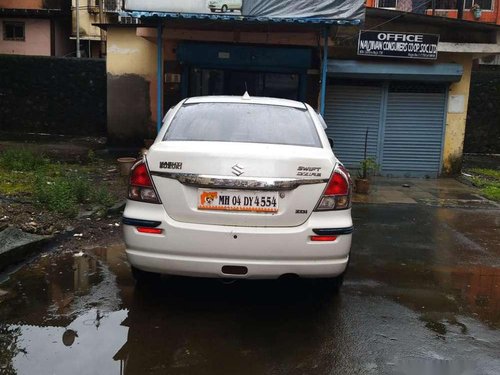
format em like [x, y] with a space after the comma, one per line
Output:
[149, 230]
[323, 238]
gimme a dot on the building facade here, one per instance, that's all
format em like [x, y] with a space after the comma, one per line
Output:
[486, 11]
[35, 27]
[90, 14]
[414, 110]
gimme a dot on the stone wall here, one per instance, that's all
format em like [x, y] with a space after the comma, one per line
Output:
[52, 95]
[483, 119]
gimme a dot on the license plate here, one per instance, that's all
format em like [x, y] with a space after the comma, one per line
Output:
[234, 200]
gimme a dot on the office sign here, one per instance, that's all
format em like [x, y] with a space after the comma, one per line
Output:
[397, 44]
[321, 9]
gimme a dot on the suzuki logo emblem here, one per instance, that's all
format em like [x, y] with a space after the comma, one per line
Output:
[238, 170]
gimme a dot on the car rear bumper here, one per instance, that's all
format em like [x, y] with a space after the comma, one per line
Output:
[212, 267]
[265, 253]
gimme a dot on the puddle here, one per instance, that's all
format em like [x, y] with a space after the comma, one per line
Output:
[438, 260]
[90, 342]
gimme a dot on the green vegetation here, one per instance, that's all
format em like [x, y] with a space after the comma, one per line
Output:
[56, 187]
[492, 173]
[367, 167]
[488, 181]
[21, 160]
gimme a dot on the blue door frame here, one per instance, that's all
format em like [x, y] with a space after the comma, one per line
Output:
[159, 77]
[245, 58]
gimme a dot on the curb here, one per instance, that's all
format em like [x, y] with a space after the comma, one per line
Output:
[16, 245]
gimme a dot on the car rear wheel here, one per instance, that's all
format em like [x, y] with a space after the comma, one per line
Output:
[337, 282]
[144, 277]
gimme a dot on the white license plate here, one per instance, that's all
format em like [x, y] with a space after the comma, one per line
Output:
[238, 200]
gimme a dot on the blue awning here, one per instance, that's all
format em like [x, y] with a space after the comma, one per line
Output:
[243, 19]
[395, 71]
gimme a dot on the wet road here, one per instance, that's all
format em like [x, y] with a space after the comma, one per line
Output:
[423, 294]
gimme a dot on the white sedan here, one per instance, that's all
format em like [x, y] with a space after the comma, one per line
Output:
[225, 5]
[239, 187]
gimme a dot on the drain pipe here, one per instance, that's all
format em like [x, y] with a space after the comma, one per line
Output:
[159, 92]
[78, 52]
[324, 69]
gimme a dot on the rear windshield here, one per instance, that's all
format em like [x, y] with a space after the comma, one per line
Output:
[248, 123]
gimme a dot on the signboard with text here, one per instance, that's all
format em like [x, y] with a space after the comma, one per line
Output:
[398, 44]
[318, 9]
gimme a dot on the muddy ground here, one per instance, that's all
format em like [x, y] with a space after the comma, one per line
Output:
[94, 223]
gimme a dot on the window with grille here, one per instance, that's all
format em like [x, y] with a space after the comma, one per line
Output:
[13, 31]
[483, 4]
[387, 3]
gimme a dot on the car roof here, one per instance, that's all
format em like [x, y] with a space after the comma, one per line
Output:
[246, 100]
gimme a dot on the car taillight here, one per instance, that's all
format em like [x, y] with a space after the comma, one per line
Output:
[140, 184]
[337, 195]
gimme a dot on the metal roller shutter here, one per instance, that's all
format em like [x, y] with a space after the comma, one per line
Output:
[349, 111]
[413, 132]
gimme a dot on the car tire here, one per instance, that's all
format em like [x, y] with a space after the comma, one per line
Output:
[144, 277]
[224, 9]
[212, 10]
[337, 282]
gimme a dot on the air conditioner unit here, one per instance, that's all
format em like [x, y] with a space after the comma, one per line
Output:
[93, 9]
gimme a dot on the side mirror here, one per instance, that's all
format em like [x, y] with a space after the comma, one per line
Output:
[331, 141]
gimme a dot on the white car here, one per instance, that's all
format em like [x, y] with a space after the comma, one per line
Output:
[225, 5]
[239, 187]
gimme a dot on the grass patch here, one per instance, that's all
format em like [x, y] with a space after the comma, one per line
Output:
[15, 183]
[53, 186]
[60, 194]
[103, 197]
[488, 182]
[21, 160]
[65, 193]
[491, 173]
[492, 192]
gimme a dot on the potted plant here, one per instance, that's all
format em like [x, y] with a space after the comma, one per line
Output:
[476, 11]
[368, 167]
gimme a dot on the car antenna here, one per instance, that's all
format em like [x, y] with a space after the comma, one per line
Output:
[246, 95]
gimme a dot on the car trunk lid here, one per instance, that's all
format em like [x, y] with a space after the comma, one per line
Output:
[280, 184]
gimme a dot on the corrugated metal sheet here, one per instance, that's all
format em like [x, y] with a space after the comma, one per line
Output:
[349, 111]
[237, 18]
[444, 72]
[413, 133]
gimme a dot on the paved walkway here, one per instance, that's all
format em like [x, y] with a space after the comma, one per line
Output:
[435, 192]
